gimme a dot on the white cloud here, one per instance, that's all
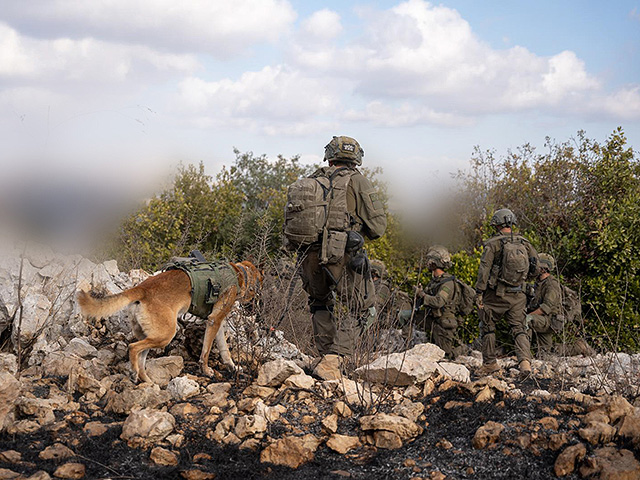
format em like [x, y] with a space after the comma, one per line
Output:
[321, 26]
[85, 60]
[272, 94]
[221, 28]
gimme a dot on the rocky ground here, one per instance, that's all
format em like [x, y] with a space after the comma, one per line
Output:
[72, 411]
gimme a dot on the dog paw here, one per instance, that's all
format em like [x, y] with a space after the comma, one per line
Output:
[207, 371]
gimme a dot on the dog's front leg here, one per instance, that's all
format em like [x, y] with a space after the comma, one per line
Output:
[223, 347]
[220, 310]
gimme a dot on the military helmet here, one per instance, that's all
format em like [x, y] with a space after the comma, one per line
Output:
[343, 148]
[546, 261]
[503, 218]
[439, 257]
[379, 268]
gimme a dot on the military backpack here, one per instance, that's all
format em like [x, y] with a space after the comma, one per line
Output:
[317, 205]
[514, 266]
[465, 296]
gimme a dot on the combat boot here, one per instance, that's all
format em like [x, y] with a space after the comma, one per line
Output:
[488, 369]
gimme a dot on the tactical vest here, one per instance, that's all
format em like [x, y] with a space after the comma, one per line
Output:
[208, 281]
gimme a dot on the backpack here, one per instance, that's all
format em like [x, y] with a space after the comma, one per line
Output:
[571, 305]
[514, 267]
[317, 204]
[465, 296]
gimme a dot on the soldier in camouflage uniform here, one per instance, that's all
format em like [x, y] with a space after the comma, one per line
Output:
[437, 313]
[545, 310]
[383, 289]
[349, 278]
[496, 299]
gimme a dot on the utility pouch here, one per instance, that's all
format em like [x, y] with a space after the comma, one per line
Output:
[557, 323]
[213, 292]
[449, 323]
[333, 247]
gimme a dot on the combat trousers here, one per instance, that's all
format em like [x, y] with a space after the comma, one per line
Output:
[336, 326]
[541, 325]
[512, 307]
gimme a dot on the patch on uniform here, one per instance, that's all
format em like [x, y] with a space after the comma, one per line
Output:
[445, 292]
[348, 147]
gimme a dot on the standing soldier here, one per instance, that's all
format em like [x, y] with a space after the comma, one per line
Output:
[507, 261]
[437, 314]
[545, 317]
[326, 218]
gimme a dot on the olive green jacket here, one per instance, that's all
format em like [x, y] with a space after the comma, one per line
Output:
[438, 296]
[548, 296]
[489, 269]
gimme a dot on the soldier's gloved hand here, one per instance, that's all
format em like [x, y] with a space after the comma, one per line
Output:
[418, 291]
[527, 321]
[478, 300]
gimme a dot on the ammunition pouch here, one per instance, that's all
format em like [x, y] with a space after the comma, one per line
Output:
[334, 245]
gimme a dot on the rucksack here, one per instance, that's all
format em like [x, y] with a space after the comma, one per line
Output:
[465, 296]
[514, 267]
[571, 305]
[317, 204]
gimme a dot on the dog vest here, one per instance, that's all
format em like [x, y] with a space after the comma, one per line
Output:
[208, 281]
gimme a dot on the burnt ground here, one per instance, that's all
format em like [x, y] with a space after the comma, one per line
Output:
[107, 456]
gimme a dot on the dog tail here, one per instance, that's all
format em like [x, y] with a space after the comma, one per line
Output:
[102, 307]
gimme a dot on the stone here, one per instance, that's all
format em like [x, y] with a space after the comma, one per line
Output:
[629, 427]
[72, 471]
[409, 409]
[254, 390]
[40, 475]
[147, 427]
[329, 367]
[300, 381]
[558, 440]
[566, 461]
[95, 429]
[57, 451]
[42, 409]
[10, 456]
[10, 390]
[356, 393]
[402, 427]
[454, 371]
[61, 364]
[23, 427]
[330, 424]
[342, 409]
[141, 396]
[618, 407]
[164, 457]
[487, 434]
[290, 451]
[548, 423]
[217, 395]
[182, 388]
[274, 373]
[250, 425]
[162, 370]
[597, 432]
[485, 395]
[36, 308]
[81, 348]
[405, 368]
[196, 474]
[612, 464]
[184, 409]
[6, 474]
[343, 443]
[271, 414]
[8, 363]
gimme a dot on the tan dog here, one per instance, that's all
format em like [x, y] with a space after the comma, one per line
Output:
[161, 299]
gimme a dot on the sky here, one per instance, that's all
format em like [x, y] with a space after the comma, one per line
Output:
[121, 90]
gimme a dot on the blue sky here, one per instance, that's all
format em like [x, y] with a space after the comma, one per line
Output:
[124, 90]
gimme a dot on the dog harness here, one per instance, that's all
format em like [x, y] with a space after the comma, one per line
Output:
[208, 281]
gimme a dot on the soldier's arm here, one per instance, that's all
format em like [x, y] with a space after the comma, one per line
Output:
[551, 300]
[369, 207]
[486, 262]
[441, 298]
[533, 261]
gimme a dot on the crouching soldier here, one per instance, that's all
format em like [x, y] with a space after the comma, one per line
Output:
[545, 309]
[437, 310]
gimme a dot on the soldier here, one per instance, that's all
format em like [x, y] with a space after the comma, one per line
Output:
[383, 289]
[336, 263]
[545, 311]
[437, 313]
[507, 261]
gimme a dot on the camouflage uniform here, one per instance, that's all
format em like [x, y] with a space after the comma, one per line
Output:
[437, 316]
[548, 298]
[500, 300]
[323, 281]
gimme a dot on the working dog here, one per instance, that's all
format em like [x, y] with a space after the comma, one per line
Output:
[160, 299]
